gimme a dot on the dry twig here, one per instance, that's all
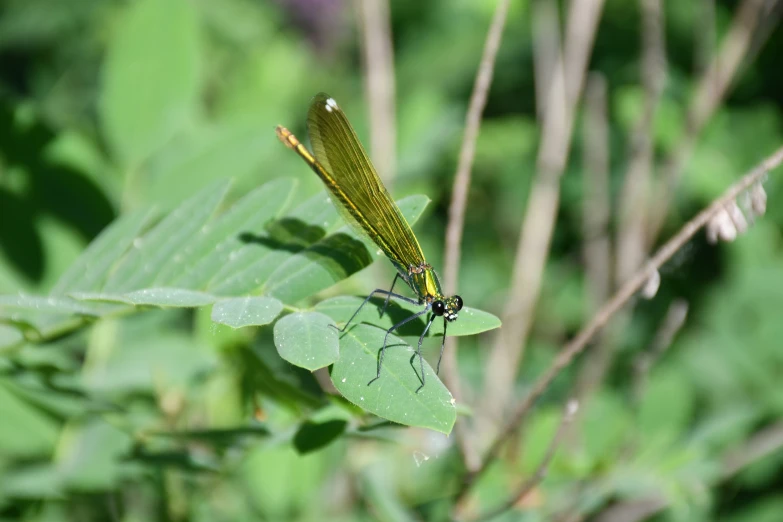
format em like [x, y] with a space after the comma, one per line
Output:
[539, 221]
[620, 298]
[459, 197]
[710, 93]
[378, 57]
[596, 215]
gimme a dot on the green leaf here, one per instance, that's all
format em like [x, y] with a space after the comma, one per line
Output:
[307, 339]
[246, 311]
[251, 266]
[90, 270]
[160, 245]
[56, 305]
[393, 396]
[150, 77]
[470, 321]
[163, 297]
[26, 431]
[9, 336]
[206, 153]
[331, 260]
[222, 239]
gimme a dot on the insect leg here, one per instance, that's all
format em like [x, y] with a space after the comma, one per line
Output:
[442, 345]
[376, 291]
[390, 330]
[421, 359]
[388, 296]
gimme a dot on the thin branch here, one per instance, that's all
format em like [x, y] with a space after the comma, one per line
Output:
[572, 406]
[596, 210]
[459, 197]
[711, 90]
[596, 214]
[620, 298]
[539, 220]
[631, 245]
[545, 20]
[378, 57]
[633, 203]
[705, 36]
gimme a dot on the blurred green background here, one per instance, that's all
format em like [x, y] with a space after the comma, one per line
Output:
[111, 106]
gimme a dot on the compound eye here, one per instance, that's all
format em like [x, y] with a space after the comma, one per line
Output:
[458, 302]
[438, 308]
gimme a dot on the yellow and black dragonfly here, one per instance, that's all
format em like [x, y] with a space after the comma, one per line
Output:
[342, 164]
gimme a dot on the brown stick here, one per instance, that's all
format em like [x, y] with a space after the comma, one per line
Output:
[620, 298]
[378, 57]
[546, 44]
[539, 221]
[459, 197]
[710, 93]
[596, 214]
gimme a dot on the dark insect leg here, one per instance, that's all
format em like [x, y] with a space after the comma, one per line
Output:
[421, 359]
[376, 291]
[390, 330]
[442, 345]
[388, 296]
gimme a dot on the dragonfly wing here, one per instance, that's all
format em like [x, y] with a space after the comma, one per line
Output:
[352, 179]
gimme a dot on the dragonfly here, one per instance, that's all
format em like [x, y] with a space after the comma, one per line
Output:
[339, 159]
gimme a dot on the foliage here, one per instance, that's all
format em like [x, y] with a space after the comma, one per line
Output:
[170, 273]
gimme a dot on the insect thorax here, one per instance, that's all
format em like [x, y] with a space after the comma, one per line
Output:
[424, 281]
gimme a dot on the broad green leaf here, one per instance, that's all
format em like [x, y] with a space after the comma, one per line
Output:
[470, 321]
[236, 150]
[9, 336]
[91, 454]
[146, 358]
[307, 340]
[393, 396]
[163, 297]
[251, 266]
[44, 305]
[150, 77]
[218, 241]
[331, 260]
[26, 430]
[163, 243]
[33, 481]
[246, 311]
[92, 267]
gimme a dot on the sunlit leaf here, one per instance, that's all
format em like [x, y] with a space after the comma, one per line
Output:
[330, 260]
[307, 340]
[160, 245]
[217, 242]
[393, 396]
[239, 312]
[91, 268]
[470, 321]
[163, 297]
[250, 267]
[150, 77]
